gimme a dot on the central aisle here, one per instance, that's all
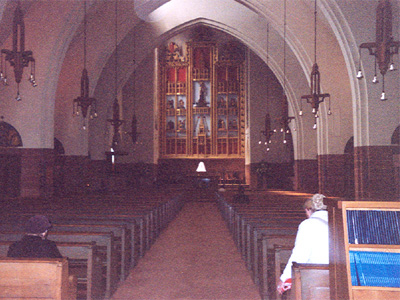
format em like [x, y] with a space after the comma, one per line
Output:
[194, 258]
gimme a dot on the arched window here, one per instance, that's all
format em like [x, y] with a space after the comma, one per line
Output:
[9, 136]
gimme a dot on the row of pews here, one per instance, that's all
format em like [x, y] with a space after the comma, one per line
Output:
[264, 229]
[103, 236]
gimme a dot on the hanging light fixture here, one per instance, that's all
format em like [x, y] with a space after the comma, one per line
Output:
[84, 102]
[134, 132]
[267, 132]
[116, 122]
[18, 57]
[384, 48]
[285, 119]
[315, 97]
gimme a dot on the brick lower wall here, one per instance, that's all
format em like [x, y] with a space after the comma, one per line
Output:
[375, 173]
[306, 175]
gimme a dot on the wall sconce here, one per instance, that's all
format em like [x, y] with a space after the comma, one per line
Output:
[84, 102]
[315, 97]
[18, 57]
[384, 47]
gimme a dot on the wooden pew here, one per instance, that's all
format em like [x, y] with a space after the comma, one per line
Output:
[38, 278]
[264, 263]
[104, 241]
[84, 263]
[310, 282]
[121, 235]
[280, 255]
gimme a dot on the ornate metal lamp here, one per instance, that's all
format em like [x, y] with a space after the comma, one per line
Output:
[84, 102]
[315, 97]
[18, 57]
[285, 119]
[116, 122]
[267, 132]
[384, 47]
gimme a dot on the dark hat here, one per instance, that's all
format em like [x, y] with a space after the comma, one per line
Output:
[37, 224]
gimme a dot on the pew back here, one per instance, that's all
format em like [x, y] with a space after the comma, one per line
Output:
[310, 282]
[35, 279]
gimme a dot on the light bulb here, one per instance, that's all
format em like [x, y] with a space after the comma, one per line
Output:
[315, 126]
[383, 96]
[314, 111]
[329, 112]
[300, 112]
[18, 98]
[360, 75]
[282, 129]
[284, 141]
[265, 143]
[391, 67]
[375, 80]
[268, 149]
[259, 142]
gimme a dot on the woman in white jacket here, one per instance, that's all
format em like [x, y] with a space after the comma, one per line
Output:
[312, 240]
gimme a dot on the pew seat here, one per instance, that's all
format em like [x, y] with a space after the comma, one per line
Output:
[39, 278]
[310, 282]
[83, 262]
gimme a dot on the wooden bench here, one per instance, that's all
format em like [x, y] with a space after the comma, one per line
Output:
[280, 256]
[39, 278]
[84, 263]
[121, 235]
[310, 282]
[263, 266]
[104, 241]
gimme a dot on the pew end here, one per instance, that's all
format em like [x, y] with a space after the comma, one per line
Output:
[36, 278]
[310, 282]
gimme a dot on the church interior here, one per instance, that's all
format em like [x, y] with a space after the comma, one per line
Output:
[150, 111]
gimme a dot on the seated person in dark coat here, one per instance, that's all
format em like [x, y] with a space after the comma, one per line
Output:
[34, 244]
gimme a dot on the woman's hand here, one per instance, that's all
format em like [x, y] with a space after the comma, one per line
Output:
[284, 286]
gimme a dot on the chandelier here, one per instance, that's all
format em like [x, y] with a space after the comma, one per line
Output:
[315, 97]
[84, 102]
[285, 119]
[384, 48]
[18, 57]
[267, 132]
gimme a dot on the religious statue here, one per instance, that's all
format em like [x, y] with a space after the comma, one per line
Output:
[181, 104]
[170, 125]
[233, 124]
[221, 102]
[202, 99]
[233, 102]
[170, 104]
[181, 125]
[221, 124]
